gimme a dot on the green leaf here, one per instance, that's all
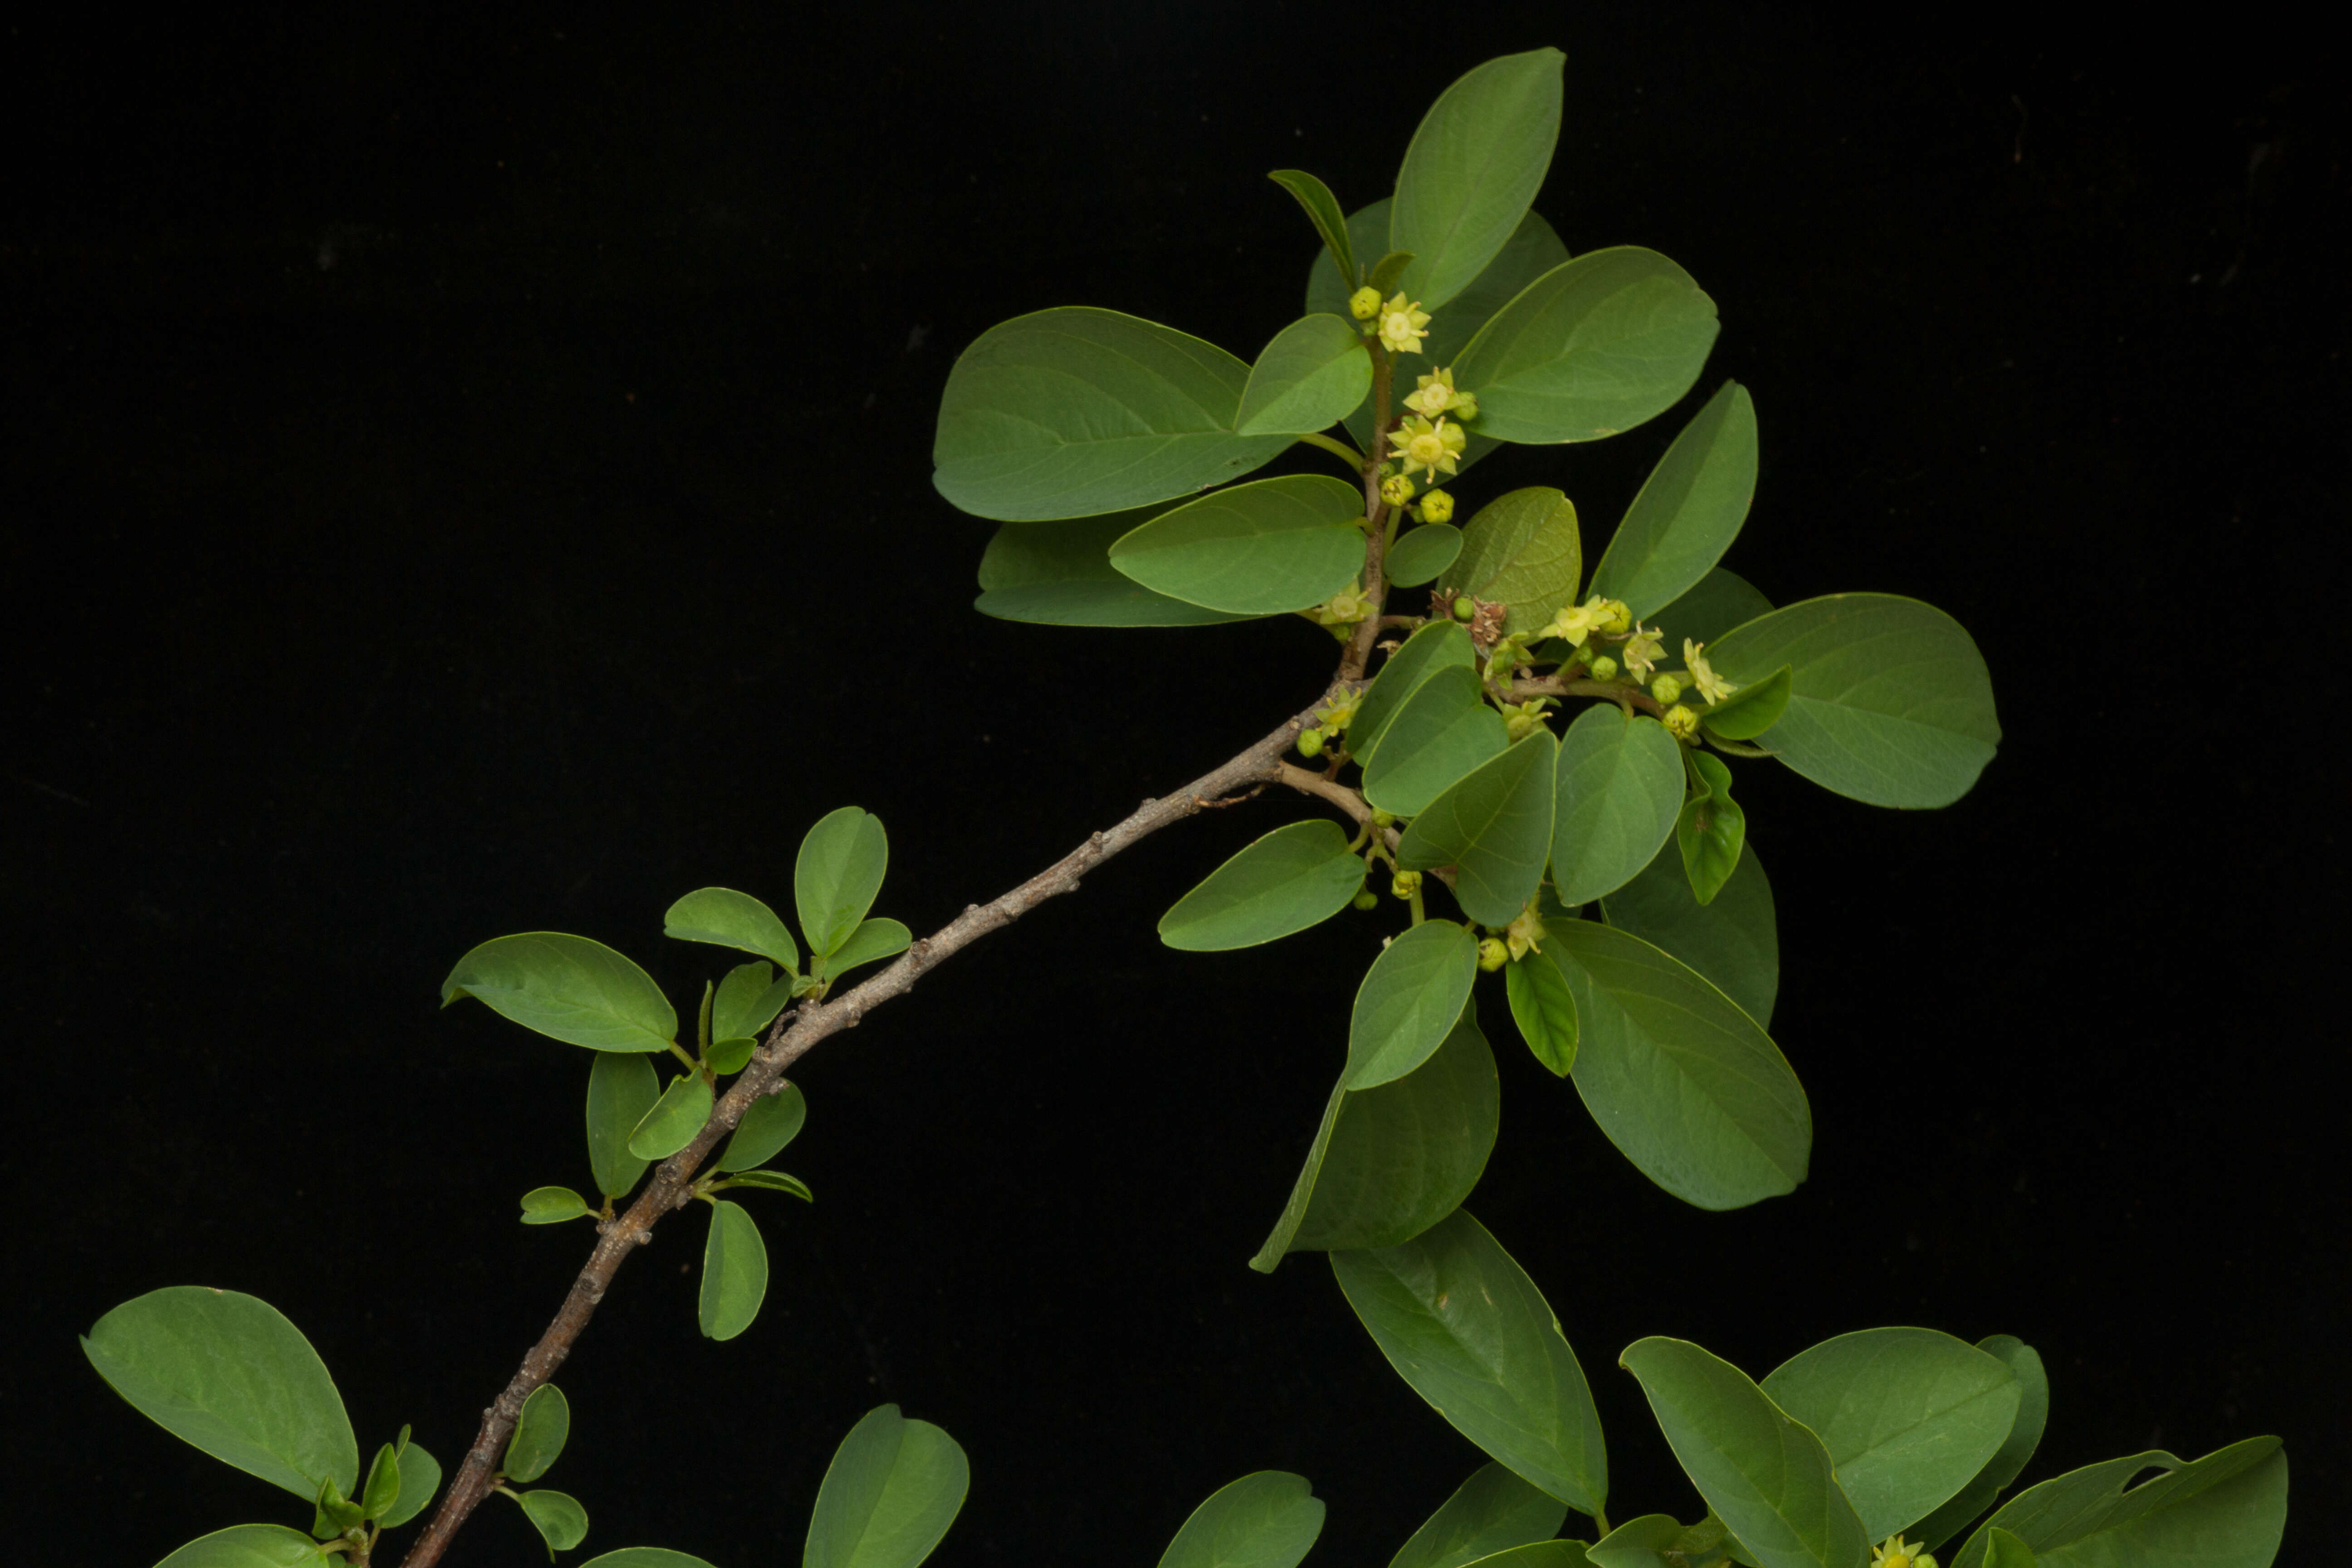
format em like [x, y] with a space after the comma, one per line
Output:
[1409, 1001]
[1293, 878]
[420, 1479]
[1889, 702]
[248, 1546]
[2024, 1437]
[332, 1513]
[557, 1516]
[1722, 600]
[1075, 410]
[2224, 1510]
[2003, 1549]
[1752, 709]
[1391, 1162]
[1444, 731]
[836, 875]
[1689, 510]
[1465, 1326]
[727, 1057]
[1268, 1520]
[1732, 942]
[1522, 550]
[747, 1002]
[567, 987]
[1619, 784]
[774, 1121]
[227, 1371]
[1540, 1554]
[1710, 829]
[644, 1557]
[1438, 645]
[1641, 1543]
[1060, 574]
[1592, 348]
[1262, 548]
[540, 1433]
[674, 1120]
[621, 1089]
[1545, 1010]
[1766, 1475]
[1908, 1417]
[734, 1272]
[775, 1181]
[1493, 1511]
[382, 1487]
[1494, 826]
[1422, 556]
[1475, 163]
[725, 917]
[1388, 269]
[554, 1205]
[892, 1490]
[1688, 1086]
[874, 940]
[1323, 212]
[1312, 376]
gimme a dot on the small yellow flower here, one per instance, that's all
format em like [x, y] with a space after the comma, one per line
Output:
[1402, 325]
[1344, 608]
[1525, 934]
[1436, 507]
[1436, 396]
[1396, 490]
[1405, 884]
[1426, 445]
[1336, 717]
[1364, 303]
[1493, 954]
[1521, 719]
[1711, 686]
[1682, 722]
[1466, 406]
[1620, 619]
[1575, 622]
[1898, 1554]
[1641, 651]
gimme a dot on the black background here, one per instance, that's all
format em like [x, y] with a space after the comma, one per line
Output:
[470, 474]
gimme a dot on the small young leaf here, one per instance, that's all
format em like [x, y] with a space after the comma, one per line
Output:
[554, 1205]
[1476, 162]
[382, 1487]
[1733, 941]
[774, 1121]
[1267, 546]
[1424, 554]
[1493, 1511]
[420, 1479]
[674, 1120]
[1688, 511]
[1312, 376]
[1711, 829]
[773, 1181]
[1291, 878]
[1323, 212]
[1409, 1001]
[2024, 1437]
[726, 917]
[727, 1057]
[1444, 731]
[1619, 784]
[1434, 646]
[839, 869]
[333, 1513]
[2224, 1510]
[734, 1272]
[566, 987]
[1268, 1520]
[748, 1002]
[1060, 574]
[873, 940]
[892, 1488]
[1545, 1010]
[1494, 826]
[248, 1546]
[1752, 709]
[1523, 552]
[540, 1433]
[557, 1516]
[621, 1089]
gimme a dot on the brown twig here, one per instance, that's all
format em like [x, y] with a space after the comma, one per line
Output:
[792, 1037]
[1615, 690]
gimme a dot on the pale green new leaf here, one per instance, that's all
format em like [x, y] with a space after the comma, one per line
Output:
[1711, 830]
[1293, 878]
[621, 1089]
[1323, 212]
[774, 1121]
[1689, 510]
[1492, 1511]
[874, 940]
[1060, 574]
[839, 871]
[226, 1372]
[646, 1557]
[1721, 600]
[1688, 1086]
[1545, 1010]
[734, 1272]
[248, 1546]
[725, 917]
[382, 1487]
[540, 1433]
[554, 1205]
[1476, 162]
[674, 1120]
[558, 1517]
[2024, 1437]
[1765, 1474]
[1409, 1001]
[892, 1488]
[1889, 700]
[566, 987]
[747, 1002]
[1618, 787]
[420, 1479]
[1523, 552]
[1311, 377]
[1465, 1326]
[1422, 556]
[1434, 648]
[1075, 410]
[1494, 826]
[1268, 1520]
[1444, 729]
[2227, 1510]
[1262, 548]
[1734, 941]
[772, 1182]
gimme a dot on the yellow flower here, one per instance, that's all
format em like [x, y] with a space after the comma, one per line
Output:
[1521, 719]
[1426, 445]
[1525, 934]
[1405, 884]
[1682, 722]
[1620, 619]
[1575, 622]
[1344, 608]
[1364, 303]
[1396, 490]
[1711, 686]
[1899, 1553]
[1437, 395]
[1402, 324]
[1641, 651]
[1436, 507]
[1335, 717]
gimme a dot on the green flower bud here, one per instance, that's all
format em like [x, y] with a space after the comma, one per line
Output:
[1619, 619]
[1364, 303]
[1923, 1559]
[1437, 507]
[1405, 884]
[1681, 722]
[1465, 608]
[1603, 667]
[1396, 490]
[1310, 743]
[1383, 818]
[1365, 900]
[1666, 687]
[1492, 954]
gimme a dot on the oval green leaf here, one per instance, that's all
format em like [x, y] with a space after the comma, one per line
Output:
[774, 1182]
[1710, 830]
[382, 1487]
[1060, 574]
[1686, 1085]
[646, 1557]
[540, 1433]
[420, 1479]
[727, 1057]
[1493, 1511]
[1545, 1010]
[1476, 162]
[674, 1120]
[1592, 348]
[226, 1372]
[1764, 1474]
[1323, 212]
[734, 1272]
[566, 987]
[1422, 556]
[725, 917]
[1075, 410]
[1268, 1520]
[1391, 1162]
[892, 1488]
[1689, 510]
[1257, 549]
[1494, 826]
[1444, 731]
[774, 1121]
[2003, 1549]
[1523, 552]
[554, 1205]
[621, 1089]
[1312, 376]
[748, 1002]
[1293, 878]
[2227, 1510]
[873, 940]
[1908, 1417]
[1465, 1326]
[1889, 701]
[1409, 1001]
[1734, 941]
[1641, 1543]
[1722, 600]
[1619, 788]
[248, 1546]
[1435, 647]
[2024, 1437]
[557, 1516]
[839, 871]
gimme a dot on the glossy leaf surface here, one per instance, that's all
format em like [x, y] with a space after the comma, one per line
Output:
[1711, 830]
[674, 1120]
[1444, 731]
[226, 1372]
[1492, 1511]
[725, 917]
[874, 938]
[1262, 548]
[1077, 411]
[1311, 377]
[1494, 826]
[566, 987]
[1464, 1325]
[1545, 1010]
[1268, 1520]
[1060, 574]
[1734, 941]
[836, 874]
[1721, 600]
[558, 1517]
[1889, 700]
[1689, 510]
[1435, 647]
[1324, 212]
[1523, 552]
[2024, 1437]
[1688, 1086]
[420, 1479]
[1475, 163]
[553, 1206]
[892, 1488]
[734, 1272]
[2227, 1510]
[1409, 1001]
[540, 1433]
[1618, 787]
[774, 1121]
[1422, 554]
[248, 1546]
[621, 1089]
[1293, 878]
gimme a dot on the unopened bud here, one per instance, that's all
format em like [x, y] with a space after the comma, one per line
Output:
[1603, 667]
[1492, 954]
[1364, 303]
[1436, 507]
[1666, 687]
[1682, 723]
[1396, 490]
[1310, 743]
[1405, 884]
[1465, 608]
[1365, 900]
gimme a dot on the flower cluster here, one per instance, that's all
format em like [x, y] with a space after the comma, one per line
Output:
[1402, 326]
[1574, 623]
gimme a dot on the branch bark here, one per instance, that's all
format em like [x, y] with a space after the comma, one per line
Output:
[792, 1037]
